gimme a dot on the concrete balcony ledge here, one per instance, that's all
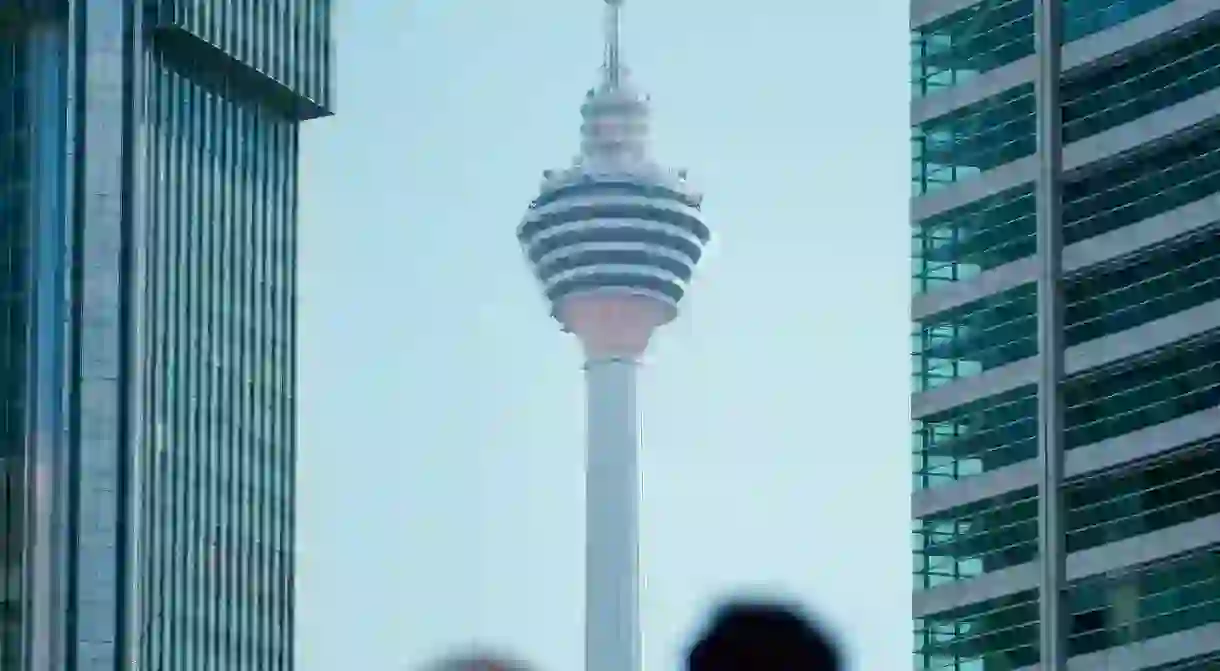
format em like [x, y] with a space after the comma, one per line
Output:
[1128, 448]
[1142, 339]
[1082, 157]
[1145, 31]
[1077, 258]
[1146, 549]
[1153, 653]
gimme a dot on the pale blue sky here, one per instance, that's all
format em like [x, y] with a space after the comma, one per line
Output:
[441, 409]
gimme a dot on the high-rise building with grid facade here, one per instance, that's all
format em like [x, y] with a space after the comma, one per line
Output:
[1066, 262]
[148, 206]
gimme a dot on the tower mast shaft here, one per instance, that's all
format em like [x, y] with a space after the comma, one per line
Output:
[613, 65]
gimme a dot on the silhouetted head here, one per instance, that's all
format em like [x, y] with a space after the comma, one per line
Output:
[476, 662]
[763, 637]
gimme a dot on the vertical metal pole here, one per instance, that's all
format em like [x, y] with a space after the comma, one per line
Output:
[47, 47]
[1051, 532]
[613, 21]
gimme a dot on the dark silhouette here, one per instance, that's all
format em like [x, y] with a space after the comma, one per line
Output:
[746, 636]
[476, 662]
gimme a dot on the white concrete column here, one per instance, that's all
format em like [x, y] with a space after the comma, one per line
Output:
[612, 492]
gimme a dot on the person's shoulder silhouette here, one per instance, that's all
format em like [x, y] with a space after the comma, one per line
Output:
[476, 662]
[763, 637]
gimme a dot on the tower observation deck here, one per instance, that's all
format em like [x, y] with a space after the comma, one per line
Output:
[614, 224]
[614, 240]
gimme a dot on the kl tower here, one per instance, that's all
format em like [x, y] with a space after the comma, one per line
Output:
[613, 240]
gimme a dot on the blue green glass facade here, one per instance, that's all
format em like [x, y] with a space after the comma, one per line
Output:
[148, 209]
[14, 196]
[1137, 210]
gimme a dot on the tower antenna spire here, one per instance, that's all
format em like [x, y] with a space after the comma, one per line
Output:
[613, 66]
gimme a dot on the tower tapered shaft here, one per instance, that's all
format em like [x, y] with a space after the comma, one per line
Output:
[612, 490]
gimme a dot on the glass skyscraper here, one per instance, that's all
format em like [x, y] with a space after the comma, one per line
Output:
[1065, 224]
[148, 207]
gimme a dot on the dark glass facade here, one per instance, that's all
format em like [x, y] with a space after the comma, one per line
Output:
[148, 209]
[1141, 333]
[14, 231]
